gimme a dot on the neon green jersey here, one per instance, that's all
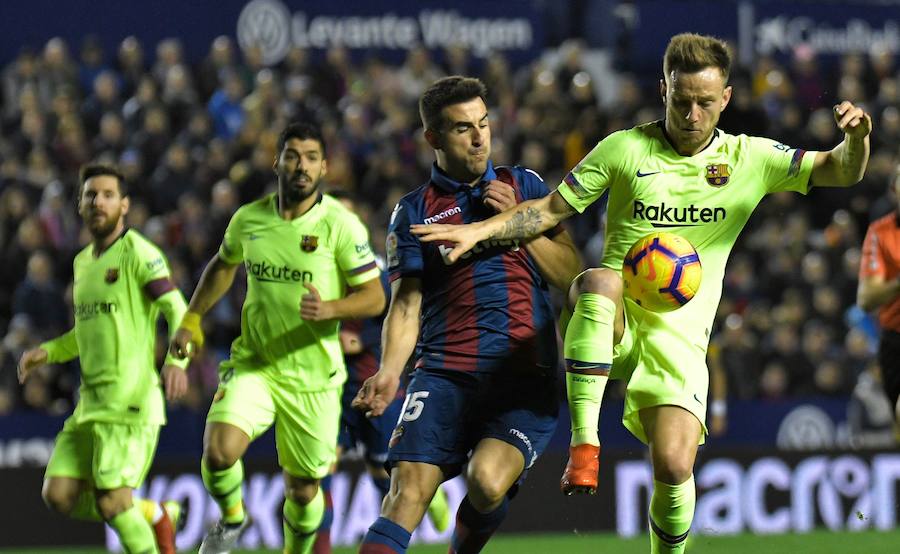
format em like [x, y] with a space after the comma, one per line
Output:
[706, 198]
[118, 297]
[328, 246]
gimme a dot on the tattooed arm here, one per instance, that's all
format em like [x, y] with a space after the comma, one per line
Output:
[527, 220]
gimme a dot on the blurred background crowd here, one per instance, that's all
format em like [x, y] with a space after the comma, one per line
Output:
[197, 140]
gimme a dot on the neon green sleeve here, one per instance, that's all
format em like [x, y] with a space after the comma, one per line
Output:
[354, 254]
[173, 308]
[61, 349]
[783, 167]
[232, 251]
[594, 174]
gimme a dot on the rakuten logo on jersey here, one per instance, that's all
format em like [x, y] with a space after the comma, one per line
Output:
[479, 248]
[89, 310]
[663, 215]
[268, 273]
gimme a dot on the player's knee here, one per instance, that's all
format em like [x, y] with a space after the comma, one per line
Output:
[58, 499]
[673, 467]
[406, 495]
[598, 281]
[218, 457]
[301, 492]
[484, 488]
[113, 503]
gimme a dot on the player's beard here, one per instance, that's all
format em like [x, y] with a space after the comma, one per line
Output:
[293, 194]
[102, 227]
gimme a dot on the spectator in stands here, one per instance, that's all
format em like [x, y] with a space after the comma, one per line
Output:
[879, 288]
[45, 137]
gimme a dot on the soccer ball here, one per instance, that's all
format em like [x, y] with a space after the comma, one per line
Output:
[661, 272]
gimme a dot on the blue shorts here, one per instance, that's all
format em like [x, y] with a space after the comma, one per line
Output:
[447, 413]
[373, 433]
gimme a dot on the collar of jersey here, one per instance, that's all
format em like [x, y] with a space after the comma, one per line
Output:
[108, 248]
[274, 206]
[443, 181]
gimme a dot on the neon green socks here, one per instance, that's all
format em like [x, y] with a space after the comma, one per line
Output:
[134, 532]
[588, 351]
[671, 514]
[225, 488]
[301, 522]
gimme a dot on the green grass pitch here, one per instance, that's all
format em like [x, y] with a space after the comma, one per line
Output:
[820, 542]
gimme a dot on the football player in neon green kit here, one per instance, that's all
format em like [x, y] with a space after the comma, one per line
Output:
[122, 283]
[303, 252]
[684, 175]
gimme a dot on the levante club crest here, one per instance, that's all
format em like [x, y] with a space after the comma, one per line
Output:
[717, 174]
[309, 243]
[112, 275]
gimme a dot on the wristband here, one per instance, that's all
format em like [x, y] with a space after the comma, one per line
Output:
[191, 322]
[718, 408]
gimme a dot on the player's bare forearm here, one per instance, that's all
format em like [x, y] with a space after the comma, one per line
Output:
[401, 325]
[529, 218]
[873, 293]
[526, 220]
[845, 164]
[557, 259]
[214, 283]
[366, 300]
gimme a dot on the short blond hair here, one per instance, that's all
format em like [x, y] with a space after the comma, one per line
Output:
[691, 52]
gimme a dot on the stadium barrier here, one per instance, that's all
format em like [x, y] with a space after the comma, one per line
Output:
[739, 490]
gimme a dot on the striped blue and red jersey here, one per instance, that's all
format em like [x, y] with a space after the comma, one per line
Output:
[490, 310]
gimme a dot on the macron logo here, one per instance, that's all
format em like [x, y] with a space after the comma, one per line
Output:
[444, 214]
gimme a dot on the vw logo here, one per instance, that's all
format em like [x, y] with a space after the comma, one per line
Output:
[267, 25]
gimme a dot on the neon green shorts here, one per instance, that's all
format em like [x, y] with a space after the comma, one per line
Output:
[108, 455]
[306, 423]
[662, 357]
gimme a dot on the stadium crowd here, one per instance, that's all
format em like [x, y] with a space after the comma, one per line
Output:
[197, 140]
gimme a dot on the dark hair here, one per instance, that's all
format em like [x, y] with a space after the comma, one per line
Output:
[302, 131]
[446, 92]
[97, 169]
[690, 52]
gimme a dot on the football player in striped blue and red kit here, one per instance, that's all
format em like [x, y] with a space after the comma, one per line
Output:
[485, 379]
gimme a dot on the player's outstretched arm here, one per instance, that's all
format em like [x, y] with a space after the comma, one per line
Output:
[30, 360]
[528, 219]
[215, 282]
[398, 340]
[366, 300]
[557, 259]
[61, 349]
[845, 164]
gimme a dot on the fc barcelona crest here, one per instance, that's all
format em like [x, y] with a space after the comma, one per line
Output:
[717, 174]
[112, 275]
[309, 243]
